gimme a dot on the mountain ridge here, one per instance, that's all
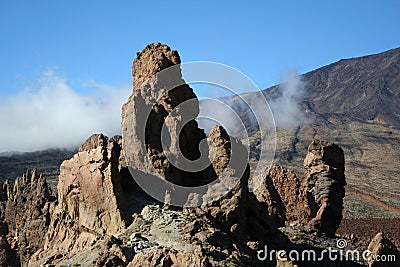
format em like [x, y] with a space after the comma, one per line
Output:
[334, 81]
[353, 103]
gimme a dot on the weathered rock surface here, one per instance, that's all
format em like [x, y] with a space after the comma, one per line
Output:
[324, 165]
[282, 198]
[8, 256]
[220, 149]
[163, 257]
[154, 58]
[230, 210]
[91, 201]
[89, 188]
[181, 233]
[150, 106]
[26, 207]
[383, 252]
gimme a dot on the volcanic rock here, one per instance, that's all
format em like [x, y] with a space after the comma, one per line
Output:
[281, 199]
[220, 149]
[95, 222]
[324, 165]
[381, 249]
[8, 256]
[233, 174]
[162, 257]
[90, 198]
[154, 103]
[25, 210]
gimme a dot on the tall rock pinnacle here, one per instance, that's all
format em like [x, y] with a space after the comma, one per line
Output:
[158, 90]
[324, 165]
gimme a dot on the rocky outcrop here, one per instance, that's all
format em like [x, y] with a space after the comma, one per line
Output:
[163, 257]
[284, 197]
[383, 252]
[324, 165]
[154, 58]
[151, 105]
[230, 210]
[8, 256]
[101, 219]
[89, 188]
[25, 210]
[91, 202]
[220, 149]
[281, 199]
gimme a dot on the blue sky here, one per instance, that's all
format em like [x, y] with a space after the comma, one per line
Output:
[96, 40]
[87, 47]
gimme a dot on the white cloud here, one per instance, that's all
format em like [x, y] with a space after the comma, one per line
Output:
[286, 108]
[54, 115]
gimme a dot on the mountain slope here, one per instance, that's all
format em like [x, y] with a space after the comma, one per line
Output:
[364, 88]
[354, 102]
[47, 162]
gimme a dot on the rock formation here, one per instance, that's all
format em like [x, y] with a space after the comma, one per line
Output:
[91, 202]
[283, 198]
[102, 217]
[383, 252]
[324, 165]
[26, 207]
[150, 106]
[169, 257]
[220, 149]
[231, 209]
[8, 256]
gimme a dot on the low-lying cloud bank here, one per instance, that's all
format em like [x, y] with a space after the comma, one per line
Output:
[54, 115]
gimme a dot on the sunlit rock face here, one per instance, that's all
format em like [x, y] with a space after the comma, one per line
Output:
[154, 102]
